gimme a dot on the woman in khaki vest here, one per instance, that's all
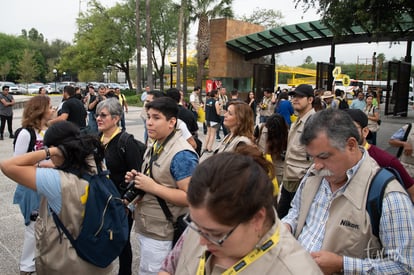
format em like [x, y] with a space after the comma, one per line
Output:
[238, 119]
[62, 190]
[232, 225]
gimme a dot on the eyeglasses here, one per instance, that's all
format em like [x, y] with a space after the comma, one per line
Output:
[207, 236]
[102, 115]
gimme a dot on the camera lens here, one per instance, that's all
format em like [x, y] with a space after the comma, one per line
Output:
[132, 192]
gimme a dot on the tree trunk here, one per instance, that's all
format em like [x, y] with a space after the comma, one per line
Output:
[179, 39]
[138, 34]
[185, 30]
[203, 45]
[148, 42]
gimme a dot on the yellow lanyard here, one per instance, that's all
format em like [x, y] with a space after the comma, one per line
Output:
[367, 145]
[156, 151]
[247, 260]
[117, 131]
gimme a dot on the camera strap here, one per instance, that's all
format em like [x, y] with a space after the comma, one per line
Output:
[156, 151]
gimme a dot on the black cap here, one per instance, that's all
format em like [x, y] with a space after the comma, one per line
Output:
[358, 116]
[303, 90]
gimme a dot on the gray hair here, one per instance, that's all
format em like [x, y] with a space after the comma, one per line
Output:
[336, 124]
[112, 105]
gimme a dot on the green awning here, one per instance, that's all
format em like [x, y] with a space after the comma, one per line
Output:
[311, 34]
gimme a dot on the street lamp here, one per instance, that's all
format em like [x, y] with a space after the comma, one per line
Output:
[55, 73]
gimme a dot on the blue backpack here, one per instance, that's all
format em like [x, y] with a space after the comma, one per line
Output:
[105, 229]
[376, 195]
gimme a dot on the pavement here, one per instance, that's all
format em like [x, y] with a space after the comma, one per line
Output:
[11, 221]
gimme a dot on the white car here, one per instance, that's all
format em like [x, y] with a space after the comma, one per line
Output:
[13, 89]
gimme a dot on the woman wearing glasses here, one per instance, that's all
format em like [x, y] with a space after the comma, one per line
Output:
[234, 228]
[122, 154]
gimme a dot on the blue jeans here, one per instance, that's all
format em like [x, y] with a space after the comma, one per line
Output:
[225, 131]
[92, 122]
[123, 121]
[263, 119]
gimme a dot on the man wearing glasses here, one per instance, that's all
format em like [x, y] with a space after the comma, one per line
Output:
[6, 111]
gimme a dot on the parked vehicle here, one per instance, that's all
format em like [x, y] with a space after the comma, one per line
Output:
[13, 89]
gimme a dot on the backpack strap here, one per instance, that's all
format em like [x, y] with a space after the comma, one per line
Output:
[407, 132]
[61, 227]
[375, 197]
[122, 141]
[32, 141]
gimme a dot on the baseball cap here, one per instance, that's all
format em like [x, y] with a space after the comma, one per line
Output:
[303, 90]
[358, 116]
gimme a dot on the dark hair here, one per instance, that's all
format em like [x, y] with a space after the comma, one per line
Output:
[283, 95]
[233, 187]
[40, 89]
[156, 93]
[277, 133]
[339, 92]
[34, 110]
[166, 105]
[76, 148]
[336, 124]
[70, 90]
[234, 92]
[5, 87]
[317, 103]
[174, 93]
[212, 93]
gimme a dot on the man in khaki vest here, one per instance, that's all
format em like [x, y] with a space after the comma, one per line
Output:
[328, 214]
[166, 173]
[296, 160]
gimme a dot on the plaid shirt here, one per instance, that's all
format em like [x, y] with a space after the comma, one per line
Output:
[396, 229]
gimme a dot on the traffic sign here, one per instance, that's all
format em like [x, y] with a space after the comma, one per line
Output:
[336, 71]
[346, 81]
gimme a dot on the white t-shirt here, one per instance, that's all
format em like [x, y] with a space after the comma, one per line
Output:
[23, 141]
[185, 133]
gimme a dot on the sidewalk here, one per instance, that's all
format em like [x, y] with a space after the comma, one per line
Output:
[11, 221]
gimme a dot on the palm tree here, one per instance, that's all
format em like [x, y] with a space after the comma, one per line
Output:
[204, 11]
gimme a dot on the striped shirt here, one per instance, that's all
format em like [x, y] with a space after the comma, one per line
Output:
[396, 229]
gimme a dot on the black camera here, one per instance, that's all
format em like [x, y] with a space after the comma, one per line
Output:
[132, 192]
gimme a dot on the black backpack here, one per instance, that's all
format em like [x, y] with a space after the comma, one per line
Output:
[122, 141]
[32, 138]
[343, 104]
[105, 228]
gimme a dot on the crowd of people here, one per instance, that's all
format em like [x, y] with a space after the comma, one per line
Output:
[286, 188]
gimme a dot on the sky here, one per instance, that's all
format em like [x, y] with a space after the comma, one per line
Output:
[56, 19]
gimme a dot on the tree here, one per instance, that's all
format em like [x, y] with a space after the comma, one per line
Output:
[204, 11]
[138, 40]
[148, 42]
[268, 18]
[5, 69]
[105, 37]
[28, 67]
[164, 28]
[375, 16]
[308, 59]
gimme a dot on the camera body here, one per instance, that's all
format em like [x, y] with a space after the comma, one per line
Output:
[131, 192]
